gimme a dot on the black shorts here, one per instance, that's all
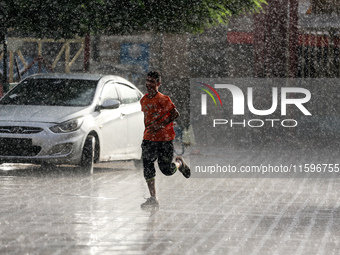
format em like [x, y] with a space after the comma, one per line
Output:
[163, 152]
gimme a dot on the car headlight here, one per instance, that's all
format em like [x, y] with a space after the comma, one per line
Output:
[68, 126]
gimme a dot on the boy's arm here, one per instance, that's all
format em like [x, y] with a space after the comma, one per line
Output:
[174, 114]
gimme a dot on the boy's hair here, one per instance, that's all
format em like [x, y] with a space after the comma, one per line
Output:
[154, 74]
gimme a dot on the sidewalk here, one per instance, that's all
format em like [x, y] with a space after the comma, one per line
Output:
[64, 213]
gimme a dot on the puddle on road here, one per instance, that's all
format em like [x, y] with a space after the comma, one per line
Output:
[9, 167]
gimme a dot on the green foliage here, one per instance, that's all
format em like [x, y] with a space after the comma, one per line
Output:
[64, 18]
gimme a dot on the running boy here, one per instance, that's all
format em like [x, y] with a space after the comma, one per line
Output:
[159, 114]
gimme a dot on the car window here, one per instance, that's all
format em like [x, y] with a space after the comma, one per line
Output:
[128, 94]
[109, 92]
[52, 92]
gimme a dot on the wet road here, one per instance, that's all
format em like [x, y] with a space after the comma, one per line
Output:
[61, 211]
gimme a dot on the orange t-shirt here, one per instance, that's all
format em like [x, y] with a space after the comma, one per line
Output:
[156, 110]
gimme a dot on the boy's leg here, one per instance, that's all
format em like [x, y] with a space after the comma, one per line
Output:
[152, 188]
[165, 161]
[149, 156]
[182, 167]
[166, 153]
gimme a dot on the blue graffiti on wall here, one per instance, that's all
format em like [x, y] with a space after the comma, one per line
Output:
[135, 54]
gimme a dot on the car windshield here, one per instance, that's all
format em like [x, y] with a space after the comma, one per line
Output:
[60, 92]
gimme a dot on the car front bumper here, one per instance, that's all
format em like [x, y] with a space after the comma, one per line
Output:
[36, 143]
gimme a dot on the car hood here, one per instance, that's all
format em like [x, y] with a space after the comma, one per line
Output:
[30, 113]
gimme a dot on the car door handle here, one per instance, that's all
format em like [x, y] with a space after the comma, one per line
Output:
[122, 115]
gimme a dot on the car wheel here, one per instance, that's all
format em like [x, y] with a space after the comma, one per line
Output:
[138, 163]
[87, 157]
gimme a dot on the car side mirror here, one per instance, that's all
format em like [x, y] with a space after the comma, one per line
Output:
[109, 104]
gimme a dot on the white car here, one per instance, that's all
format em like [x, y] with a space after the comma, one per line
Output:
[76, 119]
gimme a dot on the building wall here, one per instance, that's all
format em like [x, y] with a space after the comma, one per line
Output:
[179, 57]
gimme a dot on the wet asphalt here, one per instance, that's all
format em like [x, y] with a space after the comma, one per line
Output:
[62, 211]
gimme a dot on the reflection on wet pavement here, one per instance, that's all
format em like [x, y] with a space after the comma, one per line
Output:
[62, 211]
